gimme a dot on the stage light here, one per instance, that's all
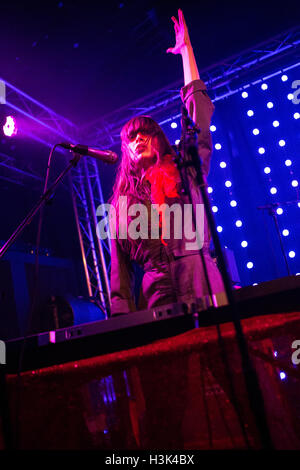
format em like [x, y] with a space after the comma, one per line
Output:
[285, 232]
[223, 165]
[233, 203]
[282, 375]
[295, 183]
[270, 104]
[273, 190]
[177, 142]
[174, 125]
[284, 78]
[275, 123]
[254, 284]
[267, 170]
[281, 143]
[209, 189]
[264, 86]
[275, 353]
[250, 265]
[288, 162]
[298, 204]
[261, 150]
[244, 243]
[219, 228]
[279, 211]
[244, 94]
[255, 131]
[292, 254]
[218, 146]
[296, 115]
[239, 223]
[228, 184]
[214, 209]
[250, 112]
[290, 96]
[10, 126]
[213, 128]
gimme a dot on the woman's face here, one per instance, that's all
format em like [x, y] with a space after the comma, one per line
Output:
[141, 147]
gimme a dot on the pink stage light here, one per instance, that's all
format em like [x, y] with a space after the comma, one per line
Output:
[10, 126]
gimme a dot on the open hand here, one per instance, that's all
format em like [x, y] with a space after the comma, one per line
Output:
[181, 34]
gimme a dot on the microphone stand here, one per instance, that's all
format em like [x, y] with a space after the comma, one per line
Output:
[189, 138]
[4, 402]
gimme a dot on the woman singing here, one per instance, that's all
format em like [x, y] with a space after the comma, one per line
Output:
[173, 267]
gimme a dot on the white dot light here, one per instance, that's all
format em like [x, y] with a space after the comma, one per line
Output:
[288, 162]
[228, 184]
[233, 203]
[298, 204]
[292, 254]
[270, 104]
[213, 128]
[284, 78]
[279, 211]
[275, 123]
[255, 131]
[174, 125]
[218, 146]
[282, 375]
[223, 165]
[219, 228]
[250, 265]
[264, 86]
[273, 190]
[296, 115]
[267, 170]
[209, 189]
[261, 150]
[281, 143]
[177, 141]
[285, 232]
[239, 223]
[244, 94]
[244, 243]
[250, 112]
[295, 183]
[214, 209]
[290, 96]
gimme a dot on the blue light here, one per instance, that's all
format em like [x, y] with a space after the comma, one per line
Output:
[296, 115]
[214, 209]
[228, 184]
[282, 375]
[285, 232]
[281, 143]
[279, 211]
[270, 104]
[244, 94]
[292, 254]
[250, 265]
[284, 78]
[219, 228]
[295, 183]
[288, 162]
[264, 86]
[261, 150]
[244, 243]
[255, 131]
[275, 123]
[250, 112]
[233, 203]
[239, 223]
[218, 146]
[213, 128]
[275, 353]
[290, 96]
[273, 190]
[174, 125]
[267, 170]
[223, 165]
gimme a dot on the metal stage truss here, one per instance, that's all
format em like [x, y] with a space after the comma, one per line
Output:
[222, 79]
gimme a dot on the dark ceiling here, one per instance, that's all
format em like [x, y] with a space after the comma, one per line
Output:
[85, 59]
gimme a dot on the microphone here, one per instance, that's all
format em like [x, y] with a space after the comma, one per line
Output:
[106, 156]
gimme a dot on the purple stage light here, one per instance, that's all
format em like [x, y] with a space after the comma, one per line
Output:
[10, 126]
